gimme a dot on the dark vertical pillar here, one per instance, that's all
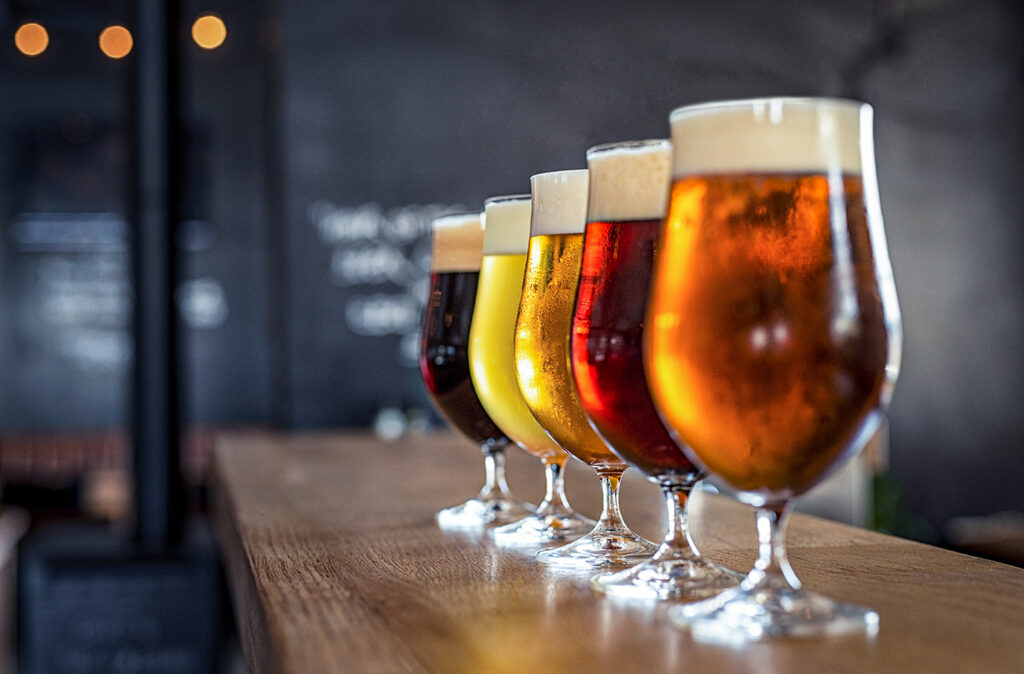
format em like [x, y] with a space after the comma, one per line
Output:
[271, 37]
[157, 147]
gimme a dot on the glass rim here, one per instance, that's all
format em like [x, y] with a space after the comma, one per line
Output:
[629, 145]
[506, 197]
[553, 173]
[784, 101]
[454, 215]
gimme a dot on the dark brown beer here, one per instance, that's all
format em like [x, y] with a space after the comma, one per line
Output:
[767, 340]
[444, 361]
[456, 250]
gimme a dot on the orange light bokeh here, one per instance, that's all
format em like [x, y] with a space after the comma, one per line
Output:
[31, 39]
[116, 41]
[209, 31]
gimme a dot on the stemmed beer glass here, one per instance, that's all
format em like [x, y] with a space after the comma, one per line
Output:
[628, 196]
[492, 366]
[773, 335]
[454, 268]
[541, 346]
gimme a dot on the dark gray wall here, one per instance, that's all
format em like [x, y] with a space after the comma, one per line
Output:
[400, 103]
[950, 138]
[52, 348]
[65, 342]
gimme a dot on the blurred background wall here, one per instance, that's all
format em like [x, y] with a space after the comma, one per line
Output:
[323, 135]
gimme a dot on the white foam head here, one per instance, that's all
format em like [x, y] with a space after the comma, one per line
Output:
[507, 230]
[559, 202]
[457, 244]
[792, 135]
[629, 180]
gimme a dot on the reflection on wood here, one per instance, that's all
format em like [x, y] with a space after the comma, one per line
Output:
[335, 564]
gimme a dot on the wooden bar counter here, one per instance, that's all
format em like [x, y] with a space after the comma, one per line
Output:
[335, 564]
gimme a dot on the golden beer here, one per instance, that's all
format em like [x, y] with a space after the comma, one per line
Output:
[544, 369]
[542, 333]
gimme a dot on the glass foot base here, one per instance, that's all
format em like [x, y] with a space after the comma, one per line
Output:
[541, 530]
[477, 513]
[742, 615]
[680, 578]
[600, 550]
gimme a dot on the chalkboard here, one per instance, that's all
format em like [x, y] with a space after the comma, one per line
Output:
[66, 290]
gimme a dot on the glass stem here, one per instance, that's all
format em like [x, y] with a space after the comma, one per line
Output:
[677, 542]
[772, 566]
[494, 465]
[611, 516]
[554, 496]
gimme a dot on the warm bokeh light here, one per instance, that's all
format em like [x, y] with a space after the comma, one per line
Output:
[31, 39]
[116, 41]
[209, 31]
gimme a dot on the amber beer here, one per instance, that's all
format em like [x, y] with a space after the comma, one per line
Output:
[768, 340]
[544, 322]
[444, 365]
[628, 197]
[773, 336]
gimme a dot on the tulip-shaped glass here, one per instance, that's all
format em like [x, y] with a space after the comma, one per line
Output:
[773, 334]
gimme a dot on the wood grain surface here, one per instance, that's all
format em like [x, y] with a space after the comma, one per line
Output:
[336, 565]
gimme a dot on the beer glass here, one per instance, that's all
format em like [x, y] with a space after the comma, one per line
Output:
[542, 364]
[492, 369]
[774, 334]
[444, 364]
[628, 196]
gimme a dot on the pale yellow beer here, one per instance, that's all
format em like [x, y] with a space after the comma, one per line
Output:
[491, 358]
[544, 323]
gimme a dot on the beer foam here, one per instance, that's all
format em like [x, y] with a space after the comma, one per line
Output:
[559, 202]
[629, 181]
[507, 229]
[795, 135]
[457, 242]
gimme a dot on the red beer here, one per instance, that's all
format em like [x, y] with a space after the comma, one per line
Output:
[627, 200]
[607, 346]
